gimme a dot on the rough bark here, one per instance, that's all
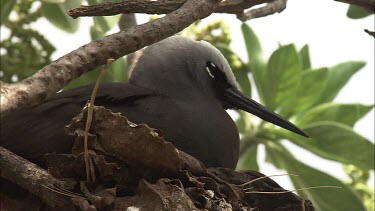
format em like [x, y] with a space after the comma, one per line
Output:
[32, 178]
[155, 7]
[276, 6]
[55, 76]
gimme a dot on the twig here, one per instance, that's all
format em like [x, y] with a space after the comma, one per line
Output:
[276, 6]
[64, 192]
[89, 171]
[370, 32]
[155, 7]
[127, 6]
[289, 191]
[47, 81]
[238, 6]
[32, 178]
[264, 177]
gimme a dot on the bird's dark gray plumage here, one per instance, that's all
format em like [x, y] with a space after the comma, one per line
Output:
[179, 86]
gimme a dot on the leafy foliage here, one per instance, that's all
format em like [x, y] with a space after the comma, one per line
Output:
[323, 199]
[25, 51]
[289, 84]
[285, 82]
[55, 12]
[356, 12]
[357, 180]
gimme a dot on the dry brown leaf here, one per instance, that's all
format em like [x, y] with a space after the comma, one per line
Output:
[134, 144]
[159, 196]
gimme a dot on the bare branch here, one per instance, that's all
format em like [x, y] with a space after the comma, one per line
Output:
[155, 7]
[238, 6]
[127, 6]
[276, 6]
[32, 178]
[55, 76]
[371, 33]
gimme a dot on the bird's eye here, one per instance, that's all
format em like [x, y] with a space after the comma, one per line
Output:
[210, 67]
[215, 72]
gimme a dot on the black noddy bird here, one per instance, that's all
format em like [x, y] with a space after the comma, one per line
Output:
[178, 85]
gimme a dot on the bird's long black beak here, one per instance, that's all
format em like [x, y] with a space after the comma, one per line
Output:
[240, 101]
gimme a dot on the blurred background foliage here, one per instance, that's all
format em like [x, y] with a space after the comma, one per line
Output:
[26, 50]
[285, 82]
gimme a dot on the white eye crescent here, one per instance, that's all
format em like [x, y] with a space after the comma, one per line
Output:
[209, 72]
[208, 66]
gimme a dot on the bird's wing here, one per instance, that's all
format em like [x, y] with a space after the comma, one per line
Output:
[107, 93]
[32, 132]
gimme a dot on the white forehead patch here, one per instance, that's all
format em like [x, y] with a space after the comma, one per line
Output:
[219, 60]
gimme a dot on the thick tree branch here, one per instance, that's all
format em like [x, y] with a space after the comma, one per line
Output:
[276, 6]
[155, 7]
[32, 178]
[55, 76]
[127, 6]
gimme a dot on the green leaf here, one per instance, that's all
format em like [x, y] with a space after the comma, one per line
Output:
[95, 33]
[248, 160]
[119, 70]
[308, 90]
[243, 80]
[338, 142]
[54, 1]
[305, 57]
[116, 72]
[357, 12]
[245, 123]
[104, 23]
[56, 14]
[256, 62]
[282, 78]
[323, 199]
[6, 8]
[347, 114]
[89, 78]
[338, 76]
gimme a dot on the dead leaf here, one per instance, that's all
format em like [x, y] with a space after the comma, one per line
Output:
[159, 196]
[132, 143]
[65, 166]
[108, 196]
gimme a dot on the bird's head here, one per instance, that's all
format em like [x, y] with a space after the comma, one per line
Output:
[181, 67]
